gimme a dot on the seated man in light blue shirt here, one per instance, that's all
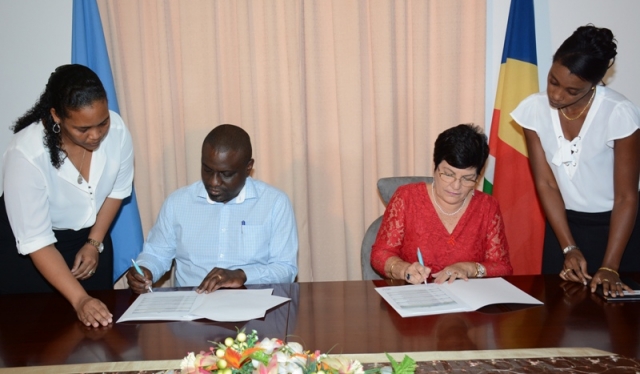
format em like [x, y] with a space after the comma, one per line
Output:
[224, 231]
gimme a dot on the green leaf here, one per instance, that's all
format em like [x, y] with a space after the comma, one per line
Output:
[407, 366]
[252, 338]
[372, 371]
[393, 362]
[261, 356]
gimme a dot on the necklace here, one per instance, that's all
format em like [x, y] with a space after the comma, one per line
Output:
[80, 179]
[583, 109]
[442, 210]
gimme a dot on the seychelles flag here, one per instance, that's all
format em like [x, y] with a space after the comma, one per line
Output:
[89, 49]
[508, 175]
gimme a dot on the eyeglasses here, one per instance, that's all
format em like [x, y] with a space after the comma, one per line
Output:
[450, 178]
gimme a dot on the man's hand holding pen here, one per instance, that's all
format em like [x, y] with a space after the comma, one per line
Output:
[139, 283]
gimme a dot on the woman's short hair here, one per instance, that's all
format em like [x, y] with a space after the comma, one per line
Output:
[463, 146]
[588, 53]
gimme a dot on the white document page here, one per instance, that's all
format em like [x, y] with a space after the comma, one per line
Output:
[487, 291]
[237, 305]
[221, 305]
[459, 296]
[162, 306]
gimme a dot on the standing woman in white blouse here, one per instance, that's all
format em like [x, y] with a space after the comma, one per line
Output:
[584, 151]
[66, 171]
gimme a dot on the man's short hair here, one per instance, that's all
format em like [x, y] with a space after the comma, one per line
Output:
[229, 137]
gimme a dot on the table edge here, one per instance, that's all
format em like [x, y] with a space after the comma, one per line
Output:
[102, 367]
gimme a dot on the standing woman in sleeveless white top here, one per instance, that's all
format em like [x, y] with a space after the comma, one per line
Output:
[584, 150]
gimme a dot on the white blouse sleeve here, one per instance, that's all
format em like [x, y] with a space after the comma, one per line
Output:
[624, 121]
[26, 200]
[123, 184]
[529, 112]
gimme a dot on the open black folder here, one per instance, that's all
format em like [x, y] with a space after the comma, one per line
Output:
[628, 295]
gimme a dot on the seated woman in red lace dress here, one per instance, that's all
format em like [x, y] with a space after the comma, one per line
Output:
[458, 230]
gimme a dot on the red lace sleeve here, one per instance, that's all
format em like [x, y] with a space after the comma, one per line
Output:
[497, 260]
[391, 232]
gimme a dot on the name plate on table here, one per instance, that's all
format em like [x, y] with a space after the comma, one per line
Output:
[459, 296]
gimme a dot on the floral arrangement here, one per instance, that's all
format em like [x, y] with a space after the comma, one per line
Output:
[246, 355]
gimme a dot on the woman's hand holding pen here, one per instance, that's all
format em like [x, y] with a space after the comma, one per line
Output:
[137, 282]
[416, 273]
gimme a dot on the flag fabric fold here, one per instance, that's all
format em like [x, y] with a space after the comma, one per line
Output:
[88, 47]
[508, 174]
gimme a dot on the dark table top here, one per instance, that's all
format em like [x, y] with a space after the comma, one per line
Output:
[340, 317]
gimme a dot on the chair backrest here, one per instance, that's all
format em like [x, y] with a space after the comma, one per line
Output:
[386, 187]
[365, 253]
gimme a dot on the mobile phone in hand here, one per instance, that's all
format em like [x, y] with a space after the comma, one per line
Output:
[627, 295]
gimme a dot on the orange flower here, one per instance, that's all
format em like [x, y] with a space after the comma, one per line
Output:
[236, 359]
[233, 358]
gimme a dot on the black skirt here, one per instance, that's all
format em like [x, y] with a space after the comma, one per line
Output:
[591, 233]
[18, 274]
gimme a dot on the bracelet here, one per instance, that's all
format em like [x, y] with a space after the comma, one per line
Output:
[610, 270]
[481, 271]
[391, 268]
[99, 245]
[569, 248]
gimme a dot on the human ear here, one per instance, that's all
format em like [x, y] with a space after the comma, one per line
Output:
[249, 167]
[54, 115]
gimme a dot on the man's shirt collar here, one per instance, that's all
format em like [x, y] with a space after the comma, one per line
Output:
[248, 191]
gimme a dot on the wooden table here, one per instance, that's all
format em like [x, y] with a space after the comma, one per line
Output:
[341, 317]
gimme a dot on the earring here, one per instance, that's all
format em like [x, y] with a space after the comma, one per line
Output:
[55, 128]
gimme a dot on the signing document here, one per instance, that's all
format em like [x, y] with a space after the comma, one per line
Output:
[459, 296]
[221, 305]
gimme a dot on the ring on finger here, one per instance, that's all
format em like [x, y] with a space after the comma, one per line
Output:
[605, 280]
[619, 283]
[91, 272]
[448, 273]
